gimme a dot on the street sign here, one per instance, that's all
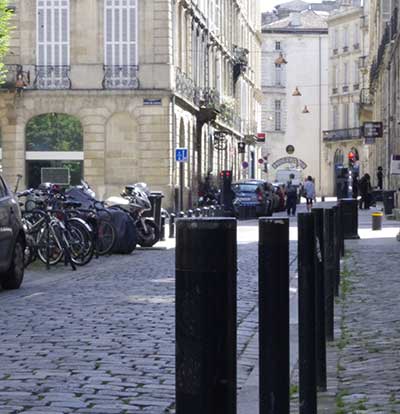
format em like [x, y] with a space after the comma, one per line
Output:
[147, 101]
[181, 154]
[261, 137]
[395, 165]
[241, 148]
[372, 129]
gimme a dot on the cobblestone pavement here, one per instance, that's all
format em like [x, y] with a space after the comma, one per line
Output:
[368, 349]
[101, 340]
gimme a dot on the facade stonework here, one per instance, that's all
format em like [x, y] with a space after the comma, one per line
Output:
[140, 97]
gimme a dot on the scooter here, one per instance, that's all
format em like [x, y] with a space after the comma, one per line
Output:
[134, 200]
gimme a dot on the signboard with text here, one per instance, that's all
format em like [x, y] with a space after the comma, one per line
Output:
[395, 165]
[181, 154]
[261, 137]
[372, 129]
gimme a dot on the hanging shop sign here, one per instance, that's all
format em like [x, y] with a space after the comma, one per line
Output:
[290, 149]
[290, 160]
[372, 129]
[261, 137]
[241, 147]
[395, 165]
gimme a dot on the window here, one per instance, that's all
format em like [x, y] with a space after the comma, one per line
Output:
[52, 38]
[334, 77]
[278, 123]
[356, 35]
[278, 45]
[121, 43]
[278, 74]
[345, 37]
[345, 115]
[356, 119]
[335, 39]
[335, 117]
[345, 74]
[356, 73]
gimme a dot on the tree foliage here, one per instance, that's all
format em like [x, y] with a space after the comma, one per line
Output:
[5, 29]
[54, 132]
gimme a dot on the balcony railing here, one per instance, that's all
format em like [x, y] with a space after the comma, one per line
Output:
[345, 49]
[362, 62]
[209, 98]
[335, 51]
[342, 134]
[356, 87]
[185, 85]
[365, 97]
[121, 77]
[334, 91]
[345, 88]
[52, 77]
[250, 128]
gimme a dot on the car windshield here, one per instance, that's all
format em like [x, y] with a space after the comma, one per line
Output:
[244, 188]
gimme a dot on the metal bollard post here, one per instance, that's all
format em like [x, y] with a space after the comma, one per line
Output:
[197, 212]
[273, 279]
[341, 230]
[172, 225]
[189, 213]
[162, 229]
[320, 300]
[329, 272]
[181, 214]
[336, 250]
[212, 211]
[205, 309]
[307, 355]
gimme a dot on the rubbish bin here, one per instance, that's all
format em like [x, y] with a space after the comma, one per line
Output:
[388, 201]
[155, 198]
[377, 221]
[349, 208]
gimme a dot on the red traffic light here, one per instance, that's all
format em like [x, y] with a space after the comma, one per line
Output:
[351, 156]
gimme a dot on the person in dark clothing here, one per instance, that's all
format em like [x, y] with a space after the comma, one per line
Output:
[291, 197]
[365, 191]
[355, 185]
[379, 175]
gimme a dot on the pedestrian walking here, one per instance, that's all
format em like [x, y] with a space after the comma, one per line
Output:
[309, 192]
[365, 191]
[291, 196]
[379, 176]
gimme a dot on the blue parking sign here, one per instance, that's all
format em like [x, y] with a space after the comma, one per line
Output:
[181, 154]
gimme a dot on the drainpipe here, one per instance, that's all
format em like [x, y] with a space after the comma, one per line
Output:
[173, 182]
[319, 119]
[388, 128]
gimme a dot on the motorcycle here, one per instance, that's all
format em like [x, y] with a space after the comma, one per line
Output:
[135, 200]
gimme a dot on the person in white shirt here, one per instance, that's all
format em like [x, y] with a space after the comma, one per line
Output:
[309, 192]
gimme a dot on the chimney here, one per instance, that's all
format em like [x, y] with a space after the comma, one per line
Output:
[294, 19]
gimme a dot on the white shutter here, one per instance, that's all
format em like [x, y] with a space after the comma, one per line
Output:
[120, 57]
[52, 43]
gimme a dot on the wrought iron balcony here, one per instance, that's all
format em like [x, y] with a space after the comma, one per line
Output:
[185, 86]
[356, 86]
[342, 134]
[356, 46]
[52, 77]
[363, 62]
[345, 49]
[121, 77]
[210, 98]
[334, 91]
[365, 97]
[335, 51]
[345, 88]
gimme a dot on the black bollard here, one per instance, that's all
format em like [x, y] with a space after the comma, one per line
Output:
[336, 250]
[307, 355]
[189, 213]
[349, 218]
[205, 211]
[197, 212]
[172, 225]
[273, 279]
[212, 211]
[162, 228]
[341, 231]
[320, 344]
[329, 273]
[205, 309]
[181, 214]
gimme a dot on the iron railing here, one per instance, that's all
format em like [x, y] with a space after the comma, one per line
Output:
[52, 77]
[121, 77]
[185, 85]
[209, 98]
[342, 134]
[365, 97]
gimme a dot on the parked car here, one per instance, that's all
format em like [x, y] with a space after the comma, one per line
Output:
[255, 195]
[12, 240]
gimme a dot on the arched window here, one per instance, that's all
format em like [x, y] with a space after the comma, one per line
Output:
[338, 157]
[54, 141]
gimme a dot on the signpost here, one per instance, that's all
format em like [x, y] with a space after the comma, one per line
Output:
[181, 156]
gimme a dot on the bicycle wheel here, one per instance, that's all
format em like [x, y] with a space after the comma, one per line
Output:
[48, 245]
[106, 236]
[80, 241]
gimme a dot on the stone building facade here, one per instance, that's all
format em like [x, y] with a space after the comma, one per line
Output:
[348, 91]
[295, 89]
[143, 77]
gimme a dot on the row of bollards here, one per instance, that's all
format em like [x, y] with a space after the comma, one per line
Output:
[206, 267]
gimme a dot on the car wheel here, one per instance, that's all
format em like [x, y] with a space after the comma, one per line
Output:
[12, 279]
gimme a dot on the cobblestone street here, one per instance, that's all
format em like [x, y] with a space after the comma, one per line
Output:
[101, 340]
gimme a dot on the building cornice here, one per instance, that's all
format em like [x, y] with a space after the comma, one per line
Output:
[288, 30]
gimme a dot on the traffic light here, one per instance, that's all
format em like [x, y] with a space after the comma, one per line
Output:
[352, 159]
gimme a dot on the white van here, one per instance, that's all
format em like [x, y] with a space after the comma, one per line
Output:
[282, 176]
